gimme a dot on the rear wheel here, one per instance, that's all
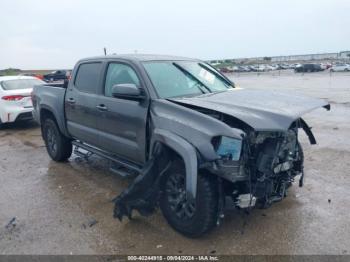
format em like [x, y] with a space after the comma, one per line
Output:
[58, 146]
[190, 217]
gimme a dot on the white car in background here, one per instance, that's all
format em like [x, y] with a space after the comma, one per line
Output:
[15, 98]
[293, 66]
[340, 67]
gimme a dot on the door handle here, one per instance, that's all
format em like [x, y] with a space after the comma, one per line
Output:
[102, 107]
[71, 100]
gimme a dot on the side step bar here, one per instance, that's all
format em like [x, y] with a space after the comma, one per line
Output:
[127, 164]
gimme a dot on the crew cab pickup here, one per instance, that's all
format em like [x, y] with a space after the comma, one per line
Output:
[194, 140]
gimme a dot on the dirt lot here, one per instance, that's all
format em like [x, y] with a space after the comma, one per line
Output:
[67, 209]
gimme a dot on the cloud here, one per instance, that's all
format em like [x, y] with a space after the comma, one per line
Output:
[37, 34]
[21, 52]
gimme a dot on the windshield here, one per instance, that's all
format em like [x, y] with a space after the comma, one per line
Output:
[20, 84]
[184, 78]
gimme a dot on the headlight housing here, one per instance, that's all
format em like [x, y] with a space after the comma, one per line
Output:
[228, 148]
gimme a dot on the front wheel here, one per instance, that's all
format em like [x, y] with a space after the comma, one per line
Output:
[190, 217]
[58, 146]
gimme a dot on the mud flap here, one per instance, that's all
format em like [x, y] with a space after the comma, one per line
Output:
[142, 193]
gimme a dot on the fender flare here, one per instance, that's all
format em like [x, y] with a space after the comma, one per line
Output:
[308, 131]
[60, 123]
[186, 151]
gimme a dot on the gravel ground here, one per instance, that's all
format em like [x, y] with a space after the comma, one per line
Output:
[66, 208]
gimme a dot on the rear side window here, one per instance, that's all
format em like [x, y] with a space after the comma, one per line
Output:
[88, 76]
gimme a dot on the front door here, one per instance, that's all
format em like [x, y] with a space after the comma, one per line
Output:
[80, 103]
[122, 122]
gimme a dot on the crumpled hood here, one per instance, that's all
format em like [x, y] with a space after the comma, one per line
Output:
[262, 110]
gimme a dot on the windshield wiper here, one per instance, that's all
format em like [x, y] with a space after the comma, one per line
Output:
[223, 78]
[193, 78]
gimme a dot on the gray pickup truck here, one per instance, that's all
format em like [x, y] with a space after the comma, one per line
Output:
[193, 141]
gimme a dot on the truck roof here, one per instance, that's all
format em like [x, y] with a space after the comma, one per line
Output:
[141, 57]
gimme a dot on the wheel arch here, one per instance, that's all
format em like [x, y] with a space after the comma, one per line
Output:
[187, 153]
[48, 112]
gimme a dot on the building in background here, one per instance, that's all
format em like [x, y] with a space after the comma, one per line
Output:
[344, 55]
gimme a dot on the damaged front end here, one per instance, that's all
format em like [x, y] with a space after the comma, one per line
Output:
[255, 157]
[267, 165]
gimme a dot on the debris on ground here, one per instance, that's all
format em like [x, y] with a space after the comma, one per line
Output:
[329, 200]
[11, 223]
[159, 246]
[92, 222]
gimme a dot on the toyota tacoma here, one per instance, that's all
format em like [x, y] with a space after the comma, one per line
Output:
[192, 140]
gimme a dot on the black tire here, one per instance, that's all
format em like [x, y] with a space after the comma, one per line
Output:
[58, 146]
[200, 215]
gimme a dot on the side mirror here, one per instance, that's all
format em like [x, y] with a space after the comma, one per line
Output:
[127, 91]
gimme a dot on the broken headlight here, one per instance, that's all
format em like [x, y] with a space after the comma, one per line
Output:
[228, 148]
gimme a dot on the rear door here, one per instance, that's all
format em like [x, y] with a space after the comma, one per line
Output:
[80, 103]
[122, 123]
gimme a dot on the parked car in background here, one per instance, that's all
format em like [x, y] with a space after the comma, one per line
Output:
[253, 68]
[277, 67]
[261, 68]
[245, 69]
[293, 66]
[15, 100]
[285, 66]
[59, 75]
[340, 68]
[308, 68]
[269, 67]
[325, 65]
[225, 70]
[41, 77]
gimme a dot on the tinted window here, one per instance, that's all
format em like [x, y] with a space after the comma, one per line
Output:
[119, 74]
[87, 77]
[20, 84]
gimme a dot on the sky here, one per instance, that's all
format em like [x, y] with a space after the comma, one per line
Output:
[49, 34]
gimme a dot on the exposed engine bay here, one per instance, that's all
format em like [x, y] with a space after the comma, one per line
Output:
[267, 166]
[274, 159]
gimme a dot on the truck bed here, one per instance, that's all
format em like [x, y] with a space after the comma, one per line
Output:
[50, 97]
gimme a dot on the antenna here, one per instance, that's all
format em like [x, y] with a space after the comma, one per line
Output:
[105, 51]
